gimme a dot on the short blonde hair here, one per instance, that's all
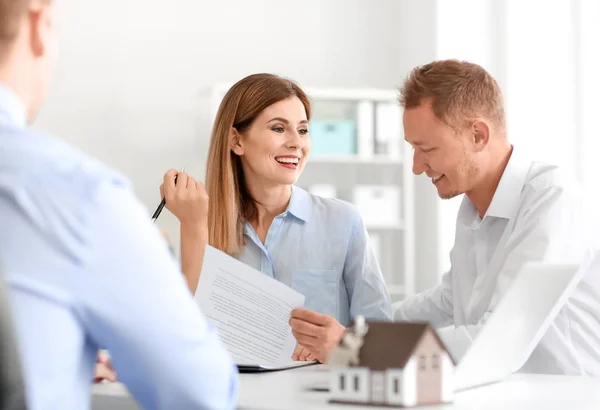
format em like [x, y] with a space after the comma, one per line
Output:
[11, 12]
[456, 90]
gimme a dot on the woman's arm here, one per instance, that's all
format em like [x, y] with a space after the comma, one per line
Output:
[194, 239]
[364, 281]
[188, 201]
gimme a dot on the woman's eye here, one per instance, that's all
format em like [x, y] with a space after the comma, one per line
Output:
[277, 129]
[303, 131]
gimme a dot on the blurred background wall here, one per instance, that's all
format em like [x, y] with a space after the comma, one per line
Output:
[131, 85]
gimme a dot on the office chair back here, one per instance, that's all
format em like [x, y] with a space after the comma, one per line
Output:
[12, 388]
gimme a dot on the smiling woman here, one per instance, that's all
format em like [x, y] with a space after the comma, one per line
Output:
[318, 246]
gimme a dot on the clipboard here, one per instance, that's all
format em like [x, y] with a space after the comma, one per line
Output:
[264, 368]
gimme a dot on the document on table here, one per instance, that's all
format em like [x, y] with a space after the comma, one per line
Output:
[251, 311]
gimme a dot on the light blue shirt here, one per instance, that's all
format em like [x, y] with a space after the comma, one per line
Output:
[87, 270]
[320, 247]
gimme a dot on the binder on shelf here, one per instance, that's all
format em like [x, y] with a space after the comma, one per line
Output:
[396, 131]
[333, 137]
[365, 114]
[379, 205]
[388, 130]
[323, 190]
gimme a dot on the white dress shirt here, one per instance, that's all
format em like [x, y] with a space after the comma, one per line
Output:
[536, 214]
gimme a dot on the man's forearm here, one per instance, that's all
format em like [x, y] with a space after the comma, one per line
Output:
[193, 244]
[429, 306]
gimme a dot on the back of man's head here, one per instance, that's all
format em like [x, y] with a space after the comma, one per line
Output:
[11, 14]
[456, 90]
[28, 49]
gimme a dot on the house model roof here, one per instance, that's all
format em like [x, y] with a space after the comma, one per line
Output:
[391, 345]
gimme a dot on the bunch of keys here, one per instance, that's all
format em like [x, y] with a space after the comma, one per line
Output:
[346, 353]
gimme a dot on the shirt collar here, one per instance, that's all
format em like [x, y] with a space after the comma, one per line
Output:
[300, 204]
[12, 110]
[508, 193]
[507, 196]
[299, 207]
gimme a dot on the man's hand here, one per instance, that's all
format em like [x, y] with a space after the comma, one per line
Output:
[303, 355]
[316, 332]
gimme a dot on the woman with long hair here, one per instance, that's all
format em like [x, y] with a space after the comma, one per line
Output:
[259, 147]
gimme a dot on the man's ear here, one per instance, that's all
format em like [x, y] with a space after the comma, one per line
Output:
[480, 131]
[235, 142]
[41, 22]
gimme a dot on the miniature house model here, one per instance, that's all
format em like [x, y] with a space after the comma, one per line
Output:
[391, 364]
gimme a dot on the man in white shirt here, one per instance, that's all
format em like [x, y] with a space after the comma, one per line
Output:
[514, 211]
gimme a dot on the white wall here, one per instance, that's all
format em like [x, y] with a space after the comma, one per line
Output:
[465, 30]
[588, 34]
[128, 89]
[129, 85]
[535, 63]
[545, 56]
[417, 45]
[470, 30]
[541, 80]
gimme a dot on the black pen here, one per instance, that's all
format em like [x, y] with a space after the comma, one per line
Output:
[162, 203]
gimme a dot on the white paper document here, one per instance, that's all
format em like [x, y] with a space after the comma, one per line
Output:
[250, 310]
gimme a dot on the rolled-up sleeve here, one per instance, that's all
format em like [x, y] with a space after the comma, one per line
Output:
[433, 305]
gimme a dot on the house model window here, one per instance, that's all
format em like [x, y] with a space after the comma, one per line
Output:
[435, 362]
[422, 363]
[391, 364]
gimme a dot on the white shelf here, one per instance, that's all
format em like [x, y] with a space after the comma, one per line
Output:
[352, 94]
[396, 289]
[356, 159]
[342, 94]
[394, 227]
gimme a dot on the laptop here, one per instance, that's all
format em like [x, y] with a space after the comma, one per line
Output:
[516, 325]
[514, 328]
[258, 368]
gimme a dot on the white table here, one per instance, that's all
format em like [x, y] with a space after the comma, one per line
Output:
[289, 390]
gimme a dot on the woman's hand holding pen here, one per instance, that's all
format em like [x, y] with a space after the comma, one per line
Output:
[187, 199]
